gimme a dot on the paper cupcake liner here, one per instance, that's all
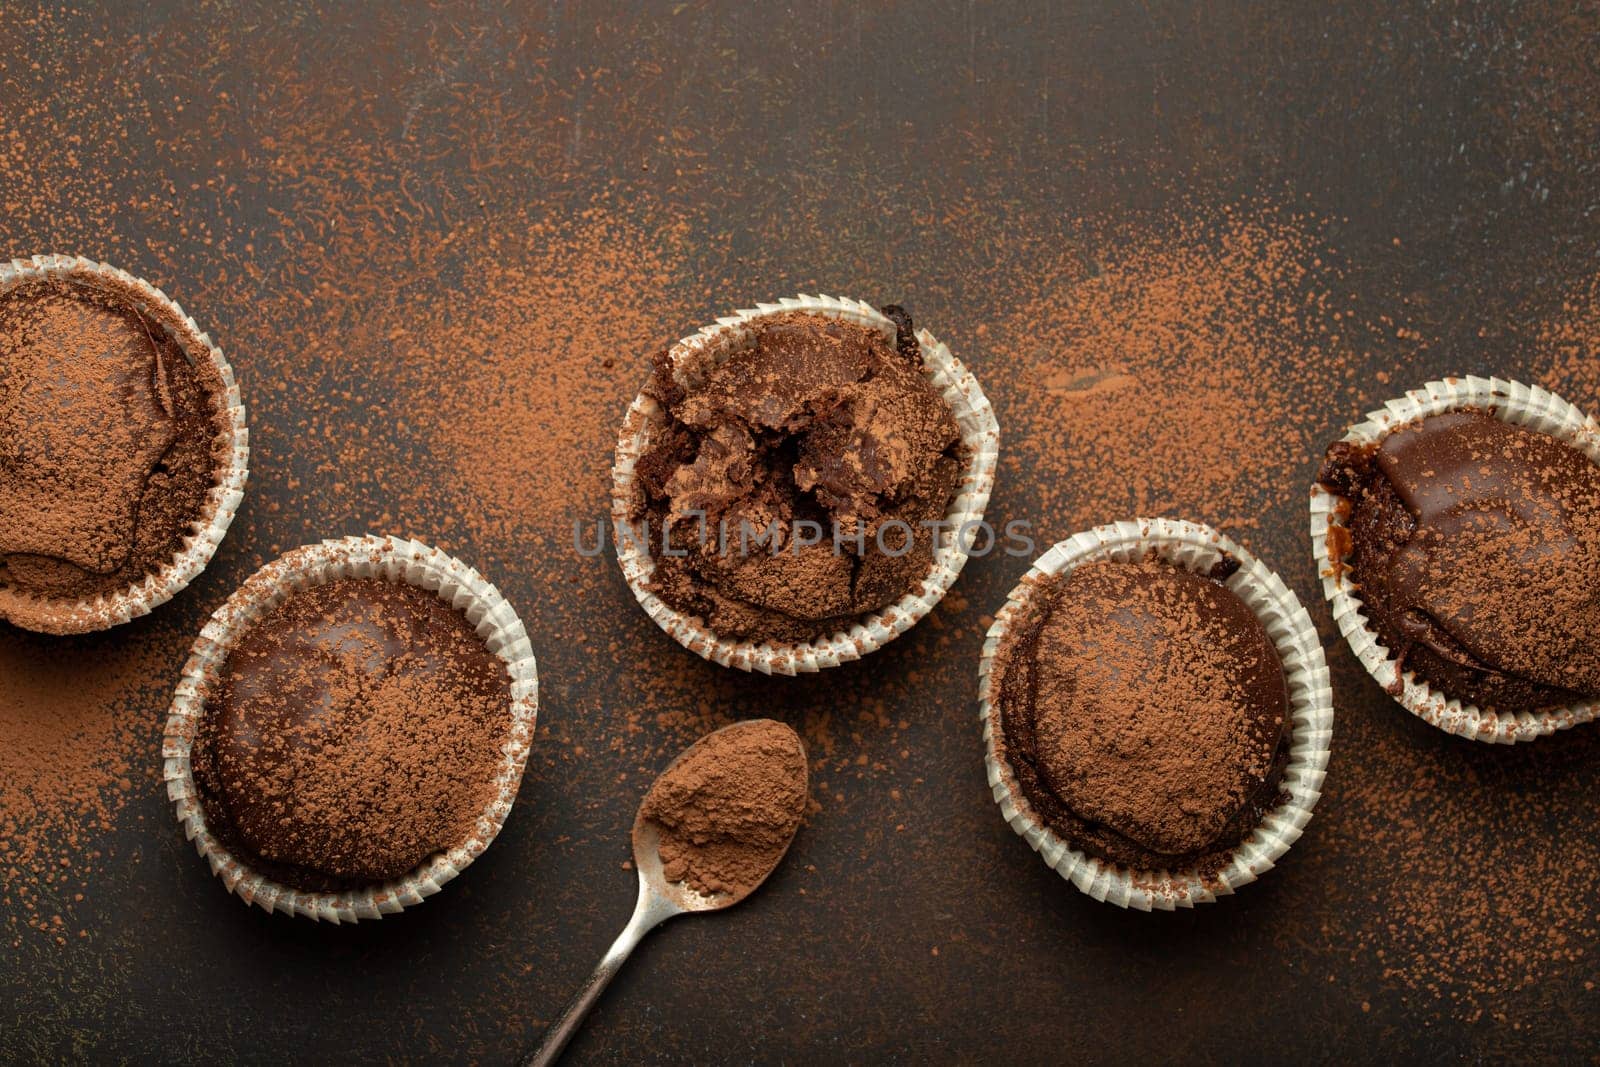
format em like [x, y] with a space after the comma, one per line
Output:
[105, 610]
[394, 560]
[1194, 547]
[980, 433]
[1521, 405]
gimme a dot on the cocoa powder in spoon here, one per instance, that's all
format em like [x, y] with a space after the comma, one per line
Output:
[728, 807]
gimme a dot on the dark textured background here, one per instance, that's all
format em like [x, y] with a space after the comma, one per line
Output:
[1456, 159]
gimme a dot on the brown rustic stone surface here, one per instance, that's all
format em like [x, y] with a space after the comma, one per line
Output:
[1181, 252]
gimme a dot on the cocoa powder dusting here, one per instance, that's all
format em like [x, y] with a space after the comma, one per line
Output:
[1161, 367]
[727, 808]
[437, 298]
[1566, 343]
[108, 442]
[75, 732]
[1143, 712]
[354, 731]
[1472, 930]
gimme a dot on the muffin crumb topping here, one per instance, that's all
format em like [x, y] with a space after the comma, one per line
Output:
[797, 486]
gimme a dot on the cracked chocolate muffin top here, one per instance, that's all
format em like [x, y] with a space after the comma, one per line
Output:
[792, 490]
[1143, 712]
[1475, 547]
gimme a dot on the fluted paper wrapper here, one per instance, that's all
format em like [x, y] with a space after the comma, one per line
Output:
[55, 616]
[696, 355]
[390, 559]
[1521, 405]
[1197, 548]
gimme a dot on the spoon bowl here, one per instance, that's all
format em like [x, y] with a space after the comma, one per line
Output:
[653, 877]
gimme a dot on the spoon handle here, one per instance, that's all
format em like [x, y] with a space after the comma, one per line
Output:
[647, 915]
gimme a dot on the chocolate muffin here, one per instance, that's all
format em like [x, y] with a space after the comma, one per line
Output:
[796, 488]
[352, 733]
[111, 440]
[1143, 712]
[1475, 547]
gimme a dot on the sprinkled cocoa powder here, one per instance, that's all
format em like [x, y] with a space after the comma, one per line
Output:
[1161, 373]
[75, 730]
[108, 441]
[727, 808]
[546, 348]
[1567, 344]
[1476, 547]
[1475, 927]
[354, 731]
[1144, 713]
[393, 228]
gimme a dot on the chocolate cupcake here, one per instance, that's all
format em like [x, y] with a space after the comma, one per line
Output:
[1157, 713]
[123, 450]
[352, 728]
[799, 483]
[1460, 537]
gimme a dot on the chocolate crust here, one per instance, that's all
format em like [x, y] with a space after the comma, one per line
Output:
[1016, 687]
[1474, 547]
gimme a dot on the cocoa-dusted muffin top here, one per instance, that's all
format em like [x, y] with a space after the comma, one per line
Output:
[1475, 546]
[1144, 713]
[353, 732]
[818, 429]
[110, 440]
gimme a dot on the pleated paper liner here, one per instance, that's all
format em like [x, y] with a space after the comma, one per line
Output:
[1197, 548]
[695, 356]
[57, 616]
[393, 560]
[1521, 405]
